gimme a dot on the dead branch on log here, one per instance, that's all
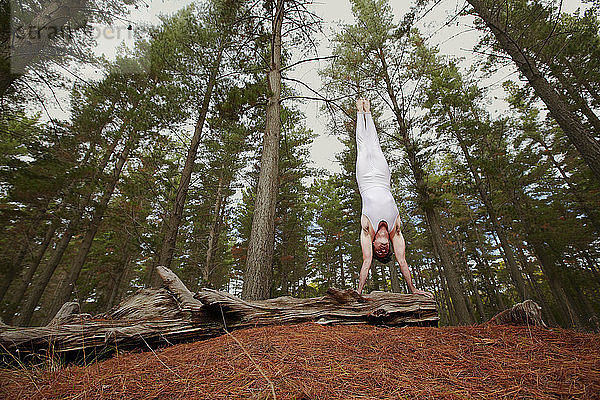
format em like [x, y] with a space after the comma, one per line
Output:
[173, 314]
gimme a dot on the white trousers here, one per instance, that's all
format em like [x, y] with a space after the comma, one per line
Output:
[373, 175]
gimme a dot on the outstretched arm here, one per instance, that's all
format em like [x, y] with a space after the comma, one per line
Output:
[366, 245]
[399, 251]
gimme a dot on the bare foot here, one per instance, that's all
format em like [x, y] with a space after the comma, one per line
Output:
[360, 104]
[366, 105]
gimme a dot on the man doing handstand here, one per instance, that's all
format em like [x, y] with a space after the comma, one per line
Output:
[380, 219]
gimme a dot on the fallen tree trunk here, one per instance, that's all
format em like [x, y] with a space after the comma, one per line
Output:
[154, 317]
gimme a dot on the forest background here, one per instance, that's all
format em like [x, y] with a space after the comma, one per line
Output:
[157, 154]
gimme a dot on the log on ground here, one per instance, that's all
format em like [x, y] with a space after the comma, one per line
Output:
[154, 317]
[525, 313]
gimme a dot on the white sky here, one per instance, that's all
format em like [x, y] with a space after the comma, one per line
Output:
[456, 39]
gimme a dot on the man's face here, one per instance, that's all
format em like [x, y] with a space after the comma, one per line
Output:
[381, 245]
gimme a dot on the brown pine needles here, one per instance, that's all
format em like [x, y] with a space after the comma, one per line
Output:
[310, 361]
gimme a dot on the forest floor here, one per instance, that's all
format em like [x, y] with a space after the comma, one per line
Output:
[311, 361]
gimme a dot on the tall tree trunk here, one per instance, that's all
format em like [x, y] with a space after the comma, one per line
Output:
[341, 261]
[491, 287]
[171, 228]
[585, 312]
[509, 255]
[539, 295]
[30, 270]
[40, 250]
[38, 286]
[452, 276]
[33, 264]
[469, 305]
[452, 315]
[486, 272]
[438, 292]
[431, 214]
[118, 284]
[213, 234]
[374, 276]
[548, 266]
[13, 269]
[471, 279]
[258, 274]
[66, 287]
[24, 234]
[383, 277]
[584, 142]
[593, 267]
[394, 278]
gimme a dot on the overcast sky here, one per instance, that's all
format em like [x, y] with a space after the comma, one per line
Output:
[454, 36]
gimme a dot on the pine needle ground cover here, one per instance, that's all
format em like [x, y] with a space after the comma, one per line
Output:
[310, 361]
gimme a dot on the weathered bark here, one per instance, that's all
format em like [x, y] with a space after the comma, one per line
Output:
[67, 313]
[525, 313]
[173, 313]
[258, 274]
[580, 137]
[63, 293]
[174, 220]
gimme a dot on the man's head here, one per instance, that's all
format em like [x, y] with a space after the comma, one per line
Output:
[382, 251]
